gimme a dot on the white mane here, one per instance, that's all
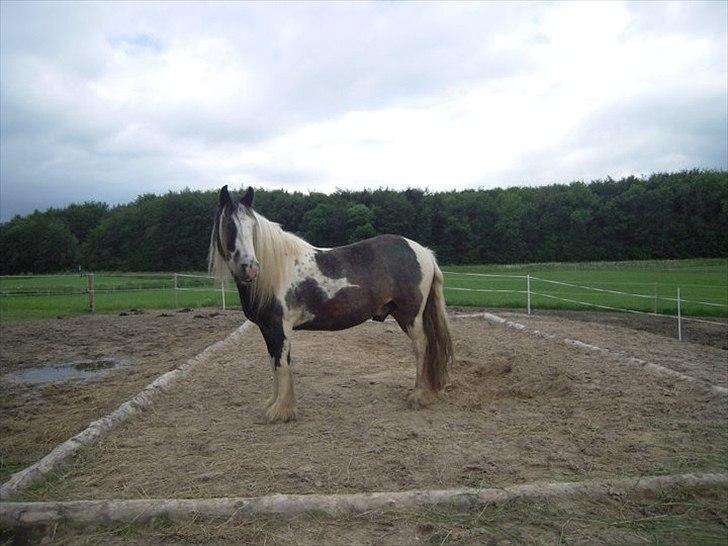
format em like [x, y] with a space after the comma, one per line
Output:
[275, 250]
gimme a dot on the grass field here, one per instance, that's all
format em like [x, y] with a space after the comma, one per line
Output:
[651, 286]
[65, 295]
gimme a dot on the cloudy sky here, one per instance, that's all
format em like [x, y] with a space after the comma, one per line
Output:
[103, 101]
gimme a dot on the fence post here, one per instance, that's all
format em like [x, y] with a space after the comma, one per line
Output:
[91, 295]
[679, 317]
[528, 293]
[222, 291]
[176, 294]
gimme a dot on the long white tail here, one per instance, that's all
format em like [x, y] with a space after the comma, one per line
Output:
[439, 354]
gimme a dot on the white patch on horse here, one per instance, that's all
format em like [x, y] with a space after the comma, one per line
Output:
[308, 267]
[426, 259]
[332, 286]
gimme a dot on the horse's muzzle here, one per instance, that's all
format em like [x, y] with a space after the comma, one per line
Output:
[249, 273]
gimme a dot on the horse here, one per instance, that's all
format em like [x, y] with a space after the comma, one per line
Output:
[287, 284]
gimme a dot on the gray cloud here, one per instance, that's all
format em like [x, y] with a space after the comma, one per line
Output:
[637, 137]
[106, 101]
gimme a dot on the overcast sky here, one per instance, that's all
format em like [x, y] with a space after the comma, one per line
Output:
[104, 101]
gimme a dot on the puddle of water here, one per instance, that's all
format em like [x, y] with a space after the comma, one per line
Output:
[82, 369]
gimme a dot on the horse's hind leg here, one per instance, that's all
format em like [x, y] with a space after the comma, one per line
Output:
[423, 395]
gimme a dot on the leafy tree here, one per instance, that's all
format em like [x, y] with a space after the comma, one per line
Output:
[37, 244]
[667, 215]
[325, 224]
[359, 223]
[81, 219]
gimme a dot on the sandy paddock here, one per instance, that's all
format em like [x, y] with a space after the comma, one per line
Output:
[36, 417]
[519, 408]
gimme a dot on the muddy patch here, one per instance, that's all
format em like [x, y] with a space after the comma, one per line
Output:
[82, 370]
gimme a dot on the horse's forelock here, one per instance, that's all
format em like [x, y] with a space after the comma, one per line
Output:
[216, 231]
[217, 267]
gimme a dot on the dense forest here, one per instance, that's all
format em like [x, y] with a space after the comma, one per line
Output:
[677, 215]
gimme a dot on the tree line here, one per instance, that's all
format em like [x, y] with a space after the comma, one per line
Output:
[666, 215]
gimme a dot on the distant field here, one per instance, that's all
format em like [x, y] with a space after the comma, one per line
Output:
[653, 285]
[64, 295]
[703, 285]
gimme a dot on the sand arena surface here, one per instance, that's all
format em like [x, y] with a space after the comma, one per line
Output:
[519, 408]
[34, 418]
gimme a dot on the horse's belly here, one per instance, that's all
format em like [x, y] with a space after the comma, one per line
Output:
[348, 307]
[331, 324]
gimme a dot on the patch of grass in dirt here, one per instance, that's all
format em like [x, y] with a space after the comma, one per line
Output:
[697, 517]
[48, 486]
[9, 467]
[15, 455]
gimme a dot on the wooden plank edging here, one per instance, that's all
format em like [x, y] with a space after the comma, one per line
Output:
[95, 512]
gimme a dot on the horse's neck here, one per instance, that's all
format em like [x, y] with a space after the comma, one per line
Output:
[282, 248]
[277, 251]
[251, 308]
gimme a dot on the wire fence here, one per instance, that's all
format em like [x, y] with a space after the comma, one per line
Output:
[50, 295]
[569, 297]
[160, 290]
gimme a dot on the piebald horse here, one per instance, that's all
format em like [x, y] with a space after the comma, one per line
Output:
[286, 284]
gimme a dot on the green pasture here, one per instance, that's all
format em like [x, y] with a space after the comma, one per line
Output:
[651, 286]
[65, 295]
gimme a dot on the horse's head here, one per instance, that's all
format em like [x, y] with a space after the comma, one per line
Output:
[233, 234]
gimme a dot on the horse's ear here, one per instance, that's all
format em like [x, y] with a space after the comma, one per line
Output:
[225, 199]
[247, 199]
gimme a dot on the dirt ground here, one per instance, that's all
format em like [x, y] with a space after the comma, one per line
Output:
[35, 418]
[703, 354]
[519, 408]
[713, 335]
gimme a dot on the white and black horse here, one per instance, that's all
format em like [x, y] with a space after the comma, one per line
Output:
[286, 284]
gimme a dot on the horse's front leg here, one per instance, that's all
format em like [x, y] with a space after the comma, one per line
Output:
[272, 398]
[283, 402]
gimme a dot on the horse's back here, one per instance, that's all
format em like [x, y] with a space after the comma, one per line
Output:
[385, 255]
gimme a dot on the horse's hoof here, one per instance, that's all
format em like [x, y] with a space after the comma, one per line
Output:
[421, 398]
[278, 413]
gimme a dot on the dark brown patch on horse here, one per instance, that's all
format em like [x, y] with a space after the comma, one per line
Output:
[349, 307]
[386, 275]
[269, 319]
